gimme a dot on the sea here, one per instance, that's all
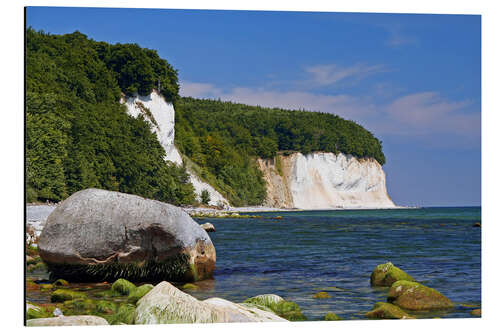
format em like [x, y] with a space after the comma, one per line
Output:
[305, 252]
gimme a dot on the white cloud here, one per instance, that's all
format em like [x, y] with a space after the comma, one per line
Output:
[324, 75]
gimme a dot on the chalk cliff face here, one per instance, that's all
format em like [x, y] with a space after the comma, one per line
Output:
[161, 116]
[324, 181]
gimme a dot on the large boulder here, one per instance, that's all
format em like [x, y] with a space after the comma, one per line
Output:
[386, 274]
[165, 304]
[98, 235]
[415, 296]
[67, 321]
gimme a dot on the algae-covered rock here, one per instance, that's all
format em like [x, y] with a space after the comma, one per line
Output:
[330, 316]
[189, 286]
[61, 295]
[123, 287]
[386, 274]
[125, 314]
[33, 311]
[383, 310]
[105, 307]
[476, 312]
[166, 304]
[67, 321]
[322, 294]
[79, 306]
[415, 296]
[267, 300]
[285, 309]
[98, 235]
[61, 282]
[139, 292]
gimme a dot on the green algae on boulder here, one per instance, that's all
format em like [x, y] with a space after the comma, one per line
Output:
[61, 295]
[61, 282]
[285, 309]
[322, 294]
[139, 292]
[267, 300]
[386, 274]
[105, 307]
[190, 286]
[415, 296]
[383, 310]
[330, 316]
[123, 287]
[125, 314]
[79, 306]
[33, 312]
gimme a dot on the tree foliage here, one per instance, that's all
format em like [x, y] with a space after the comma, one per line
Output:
[78, 135]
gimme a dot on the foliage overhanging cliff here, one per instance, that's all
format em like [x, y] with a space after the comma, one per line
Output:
[80, 136]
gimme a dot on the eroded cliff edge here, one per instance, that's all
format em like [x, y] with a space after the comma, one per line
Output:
[322, 180]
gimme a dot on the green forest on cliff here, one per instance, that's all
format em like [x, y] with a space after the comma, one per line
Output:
[78, 135]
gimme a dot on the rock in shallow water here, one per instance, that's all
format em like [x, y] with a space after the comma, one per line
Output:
[97, 235]
[383, 310]
[208, 227]
[415, 296]
[386, 274]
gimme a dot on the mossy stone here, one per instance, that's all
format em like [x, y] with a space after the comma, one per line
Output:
[386, 274]
[125, 314]
[45, 287]
[79, 306]
[34, 312]
[288, 310]
[123, 287]
[330, 316]
[139, 292]
[415, 296]
[61, 282]
[322, 294]
[383, 310]
[190, 286]
[61, 295]
[105, 307]
[476, 312]
[266, 300]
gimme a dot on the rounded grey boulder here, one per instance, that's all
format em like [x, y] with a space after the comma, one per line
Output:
[98, 235]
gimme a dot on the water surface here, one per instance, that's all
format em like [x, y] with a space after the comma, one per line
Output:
[335, 251]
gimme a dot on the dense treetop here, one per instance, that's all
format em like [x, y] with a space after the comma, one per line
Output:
[77, 133]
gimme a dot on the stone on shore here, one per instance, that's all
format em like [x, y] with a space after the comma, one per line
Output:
[67, 321]
[383, 310]
[415, 296]
[98, 235]
[208, 227]
[386, 274]
[166, 304]
[285, 309]
[330, 316]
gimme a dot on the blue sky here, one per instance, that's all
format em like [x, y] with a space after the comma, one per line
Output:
[413, 80]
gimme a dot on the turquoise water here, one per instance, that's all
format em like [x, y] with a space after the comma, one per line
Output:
[335, 251]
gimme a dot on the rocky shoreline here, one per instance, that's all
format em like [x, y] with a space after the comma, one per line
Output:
[110, 258]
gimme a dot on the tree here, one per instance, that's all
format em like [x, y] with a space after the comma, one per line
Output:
[205, 197]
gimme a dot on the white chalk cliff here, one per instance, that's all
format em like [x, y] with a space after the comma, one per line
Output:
[324, 181]
[161, 115]
[316, 181]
